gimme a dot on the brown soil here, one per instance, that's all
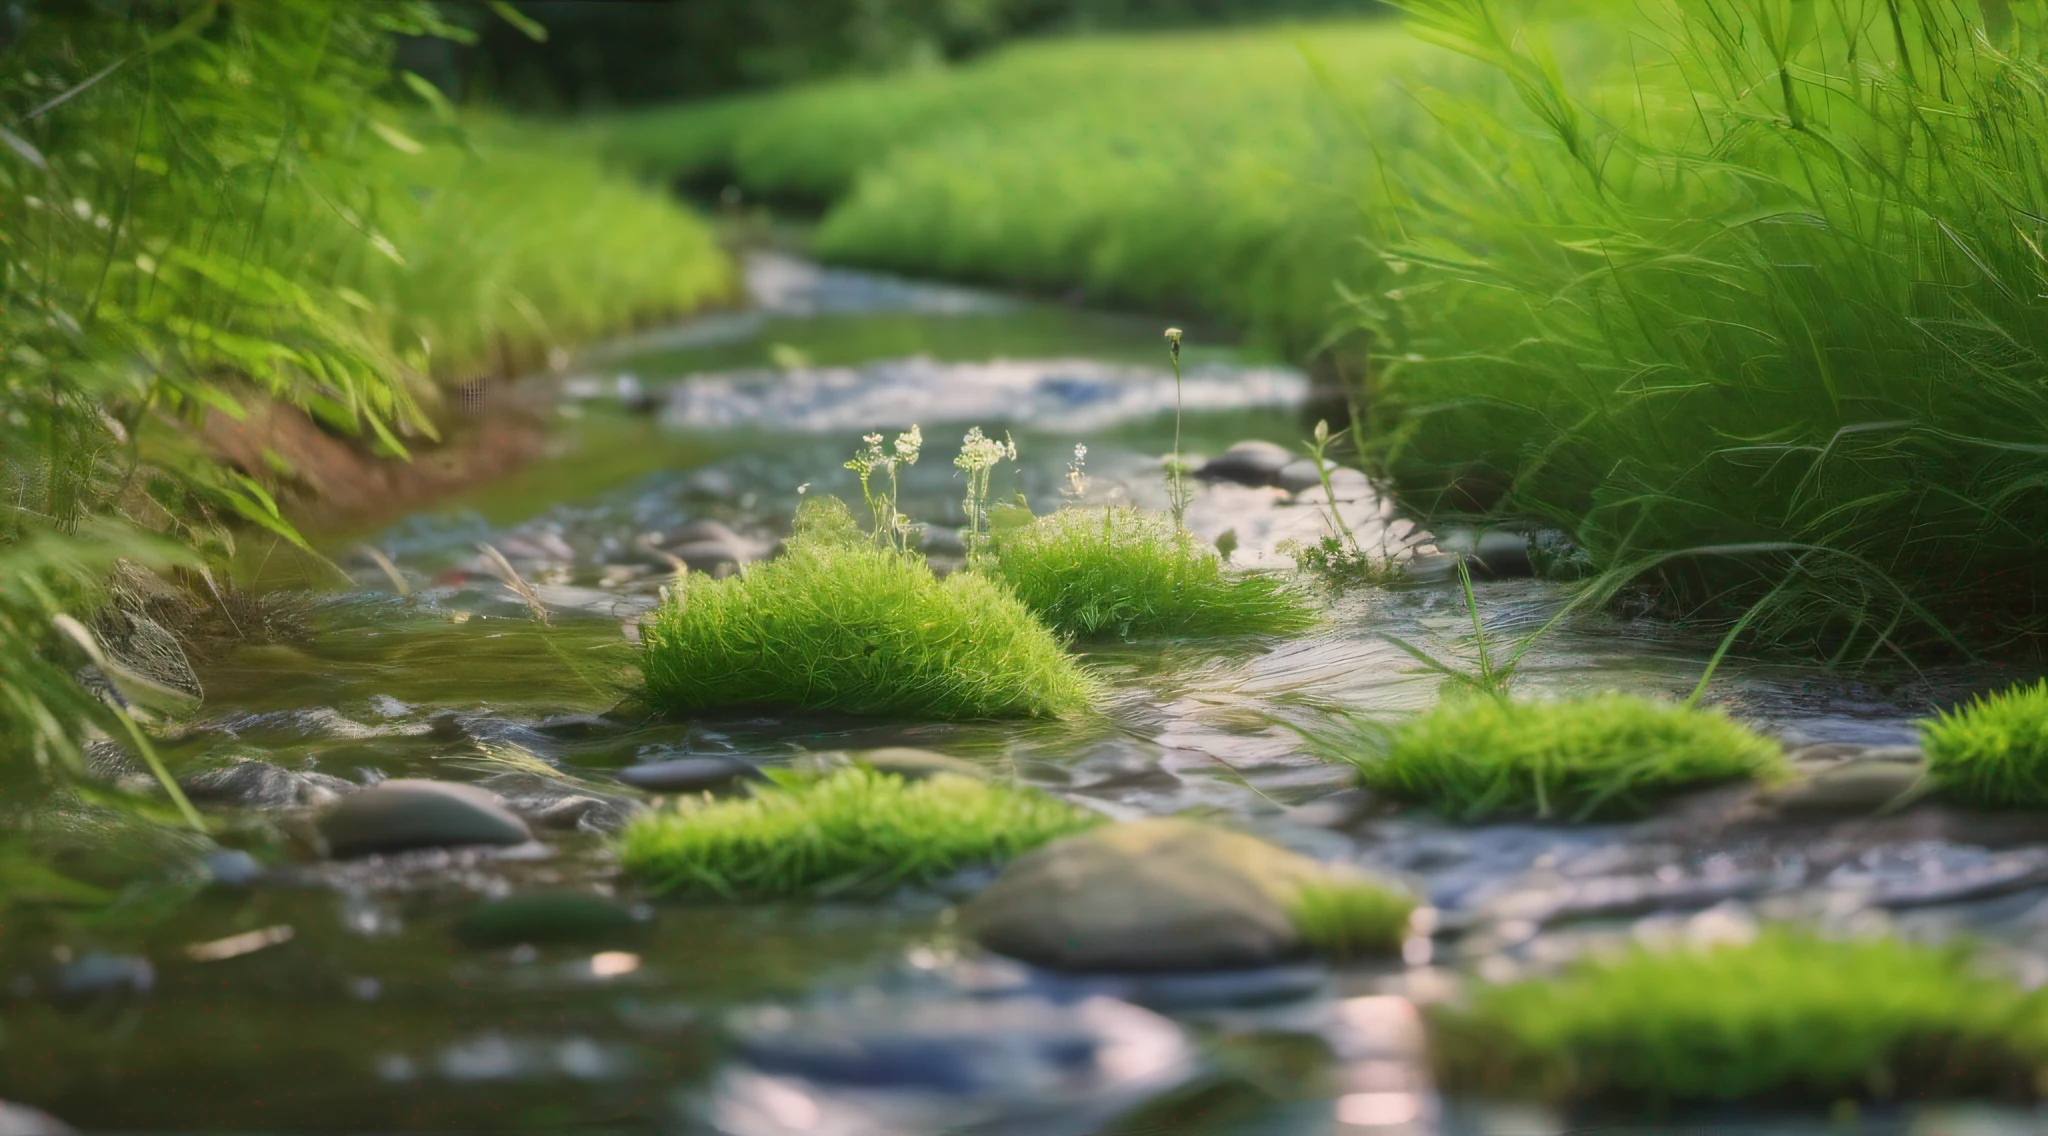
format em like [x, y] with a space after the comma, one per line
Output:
[334, 482]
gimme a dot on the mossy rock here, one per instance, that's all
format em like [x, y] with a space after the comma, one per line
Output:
[854, 831]
[1993, 752]
[1611, 755]
[1154, 895]
[1788, 1017]
[840, 623]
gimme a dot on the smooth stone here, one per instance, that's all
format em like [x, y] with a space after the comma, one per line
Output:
[917, 764]
[1854, 786]
[580, 727]
[96, 974]
[689, 774]
[21, 1120]
[261, 785]
[703, 532]
[709, 556]
[1151, 895]
[1248, 463]
[1906, 753]
[400, 815]
[1826, 751]
[1301, 474]
[548, 917]
[552, 802]
[968, 1047]
[1346, 484]
[232, 867]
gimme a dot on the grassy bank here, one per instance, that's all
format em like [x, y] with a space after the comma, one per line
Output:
[207, 203]
[1213, 172]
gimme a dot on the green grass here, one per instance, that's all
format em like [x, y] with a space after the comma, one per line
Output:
[1993, 751]
[852, 831]
[838, 623]
[1191, 172]
[1122, 571]
[1475, 758]
[1743, 300]
[1788, 1017]
[1346, 919]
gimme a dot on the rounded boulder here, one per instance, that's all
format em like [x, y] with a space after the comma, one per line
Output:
[1151, 895]
[401, 815]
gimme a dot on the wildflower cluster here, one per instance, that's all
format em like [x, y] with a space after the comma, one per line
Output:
[891, 527]
[978, 457]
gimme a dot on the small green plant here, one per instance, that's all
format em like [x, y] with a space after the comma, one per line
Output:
[1178, 492]
[1121, 571]
[854, 831]
[1345, 919]
[841, 623]
[892, 529]
[1609, 755]
[1786, 1017]
[979, 455]
[1993, 751]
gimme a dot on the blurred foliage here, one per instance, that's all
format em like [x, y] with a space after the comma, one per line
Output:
[648, 51]
[208, 204]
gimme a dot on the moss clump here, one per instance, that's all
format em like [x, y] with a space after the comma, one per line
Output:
[1609, 755]
[840, 623]
[1350, 918]
[1785, 1017]
[1126, 572]
[852, 831]
[1994, 751]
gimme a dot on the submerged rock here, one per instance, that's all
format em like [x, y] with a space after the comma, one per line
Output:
[1011, 1046]
[261, 785]
[96, 975]
[1248, 463]
[549, 917]
[689, 774]
[405, 814]
[552, 802]
[1150, 895]
[917, 764]
[1859, 785]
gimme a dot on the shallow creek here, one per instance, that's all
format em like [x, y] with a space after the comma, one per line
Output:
[375, 1014]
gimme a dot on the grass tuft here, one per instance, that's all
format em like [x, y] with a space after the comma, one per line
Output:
[1348, 919]
[838, 623]
[1787, 1017]
[1993, 751]
[1120, 571]
[1609, 755]
[852, 831]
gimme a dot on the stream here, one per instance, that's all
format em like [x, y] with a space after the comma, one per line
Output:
[346, 995]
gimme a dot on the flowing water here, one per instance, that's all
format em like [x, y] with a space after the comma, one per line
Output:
[352, 999]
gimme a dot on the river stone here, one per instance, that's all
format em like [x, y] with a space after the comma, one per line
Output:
[689, 774]
[1301, 474]
[710, 555]
[1150, 895]
[261, 785]
[21, 1120]
[1855, 786]
[1248, 463]
[917, 764]
[548, 917]
[1504, 555]
[404, 814]
[711, 532]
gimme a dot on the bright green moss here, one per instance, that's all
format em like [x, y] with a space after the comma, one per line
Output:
[839, 623]
[1786, 1017]
[1347, 919]
[1609, 755]
[853, 831]
[1122, 571]
[1994, 751]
